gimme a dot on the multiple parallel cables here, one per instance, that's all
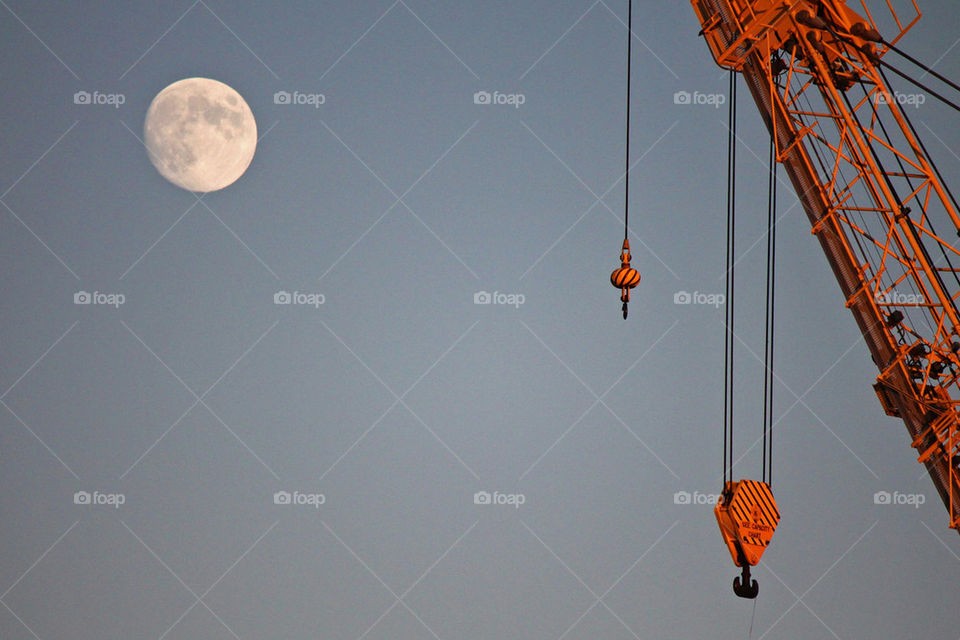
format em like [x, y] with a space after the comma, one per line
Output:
[768, 340]
[730, 282]
[730, 293]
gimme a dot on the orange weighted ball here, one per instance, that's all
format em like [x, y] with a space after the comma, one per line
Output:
[625, 277]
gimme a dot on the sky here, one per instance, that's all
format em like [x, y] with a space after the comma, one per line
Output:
[148, 449]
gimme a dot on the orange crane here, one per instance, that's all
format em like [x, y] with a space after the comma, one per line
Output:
[873, 197]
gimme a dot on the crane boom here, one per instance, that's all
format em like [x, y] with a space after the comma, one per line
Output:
[871, 193]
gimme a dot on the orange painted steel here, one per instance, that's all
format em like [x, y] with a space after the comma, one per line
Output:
[871, 194]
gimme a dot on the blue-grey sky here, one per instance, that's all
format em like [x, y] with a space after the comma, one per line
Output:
[398, 399]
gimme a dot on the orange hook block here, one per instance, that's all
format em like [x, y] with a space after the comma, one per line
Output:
[748, 516]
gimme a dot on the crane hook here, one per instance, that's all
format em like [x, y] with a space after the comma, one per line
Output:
[626, 277]
[743, 586]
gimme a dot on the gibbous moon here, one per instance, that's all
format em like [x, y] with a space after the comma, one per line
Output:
[200, 134]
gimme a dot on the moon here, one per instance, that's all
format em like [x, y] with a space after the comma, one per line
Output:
[200, 134]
